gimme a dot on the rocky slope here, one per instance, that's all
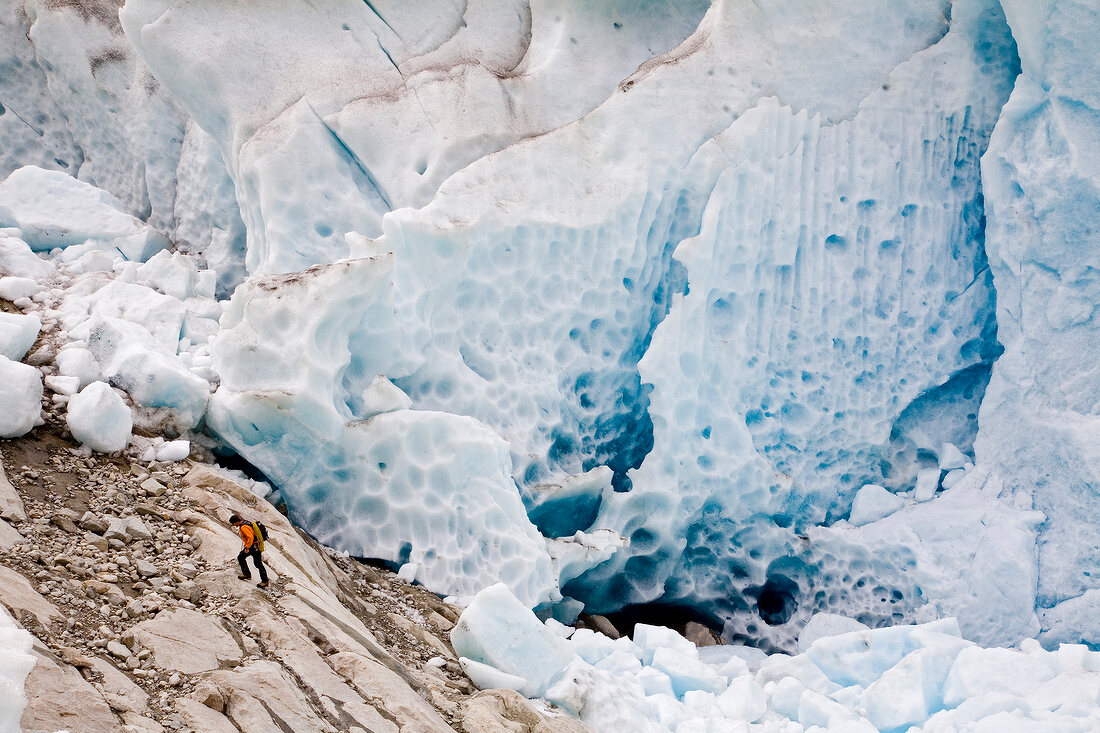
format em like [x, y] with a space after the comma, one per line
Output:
[125, 573]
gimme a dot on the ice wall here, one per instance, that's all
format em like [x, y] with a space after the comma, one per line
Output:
[837, 291]
[699, 274]
[816, 230]
[1039, 420]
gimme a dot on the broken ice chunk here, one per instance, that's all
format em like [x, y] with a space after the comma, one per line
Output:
[152, 375]
[927, 482]
[383, 396]
[63, 385]
[873, 502]
[99, 419]
[53, 209]
[951, 457]
[21, 397]
[490, 678]
[17, 258]
[76, 361]
[17, 334]
[826, 624]
[174, 450]
[953, 477]
[496, 629]
[14, 288]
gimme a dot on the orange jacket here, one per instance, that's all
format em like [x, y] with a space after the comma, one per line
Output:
[248, 537]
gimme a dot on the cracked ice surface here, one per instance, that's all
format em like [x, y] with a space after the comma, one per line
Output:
[340, 111]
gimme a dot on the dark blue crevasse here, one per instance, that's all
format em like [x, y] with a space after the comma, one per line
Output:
[948, 413]
[605, 413]
[605, 416]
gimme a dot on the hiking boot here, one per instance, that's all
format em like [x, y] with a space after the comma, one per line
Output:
[262, 584]
[245, 577]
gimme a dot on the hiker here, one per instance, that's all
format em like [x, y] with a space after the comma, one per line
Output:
[253, 546]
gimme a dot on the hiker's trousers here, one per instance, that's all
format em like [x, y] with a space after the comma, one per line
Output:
[257, 560]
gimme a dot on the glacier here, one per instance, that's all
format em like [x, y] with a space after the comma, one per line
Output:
[594, 362]
[752, 312]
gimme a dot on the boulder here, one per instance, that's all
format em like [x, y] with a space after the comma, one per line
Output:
[187, 641]
[128, 528]
[134, 723]
[197, 716]
[387, 690]
[11, 506]
[209, 696]
[17, 593]
[94, 523]
[117, 649]
[59, 698]
[118, 690]
[505, 711]
[701, 634]
[299, 654]
[9, 536]
[257, 691]
[137, 529]
[146, 569]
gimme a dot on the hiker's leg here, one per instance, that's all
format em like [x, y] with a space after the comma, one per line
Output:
[244, 566]
[258, 561]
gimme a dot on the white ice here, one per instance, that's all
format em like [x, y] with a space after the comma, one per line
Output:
[382, 396]
[17, 258]
[796, 370]
[52, 209]
[135, 361]
[312, 159]
[747, 320]
[922, 677]
[497, 629]
[13, 288]
[21, 396]
[873, 502]
[584, 277]
[16, 662]
[100, 419]
[77, 362]
[17, 334]
[173, 450]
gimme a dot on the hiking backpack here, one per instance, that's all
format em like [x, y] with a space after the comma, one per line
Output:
[261, 533]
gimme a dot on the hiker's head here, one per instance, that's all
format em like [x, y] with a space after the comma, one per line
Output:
[236, 520]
